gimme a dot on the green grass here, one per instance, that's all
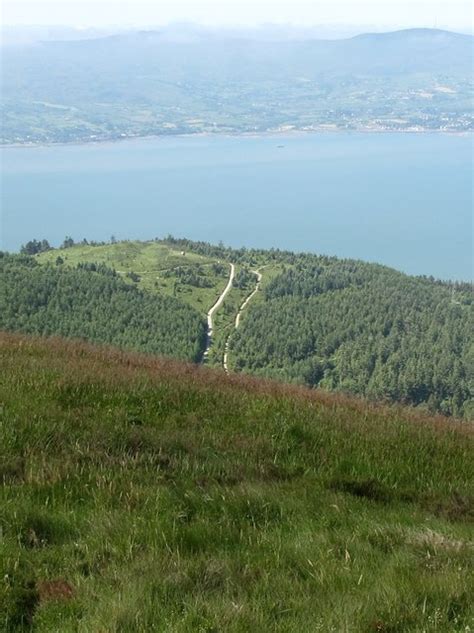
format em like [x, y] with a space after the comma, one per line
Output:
[147, 495]
[149, 260]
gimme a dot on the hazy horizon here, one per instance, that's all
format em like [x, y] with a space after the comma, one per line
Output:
[348, 14]
[260, 27]
[27, 35]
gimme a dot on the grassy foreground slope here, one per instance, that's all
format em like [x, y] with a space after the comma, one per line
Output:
[148, 495]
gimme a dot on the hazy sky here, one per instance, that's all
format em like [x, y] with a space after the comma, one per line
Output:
[455, 14]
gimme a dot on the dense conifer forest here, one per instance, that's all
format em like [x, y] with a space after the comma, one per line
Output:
[364, 329]
[93, 303]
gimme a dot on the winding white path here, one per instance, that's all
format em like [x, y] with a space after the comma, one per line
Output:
[215, 307]
[237, 318]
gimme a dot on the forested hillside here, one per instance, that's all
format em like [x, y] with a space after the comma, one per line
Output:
[363, 329]
[342, 325]
[147, 495]
[92, 302]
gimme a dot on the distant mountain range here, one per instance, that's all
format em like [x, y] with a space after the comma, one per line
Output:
[148, 82]
[414, 50]
[179, 31]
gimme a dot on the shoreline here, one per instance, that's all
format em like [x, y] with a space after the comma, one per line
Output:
[278, 134]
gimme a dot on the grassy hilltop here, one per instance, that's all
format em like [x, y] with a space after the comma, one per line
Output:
[154, 267]
[142, 494]
[168, 270]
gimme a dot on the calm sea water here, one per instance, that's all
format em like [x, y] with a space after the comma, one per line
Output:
[399, 199]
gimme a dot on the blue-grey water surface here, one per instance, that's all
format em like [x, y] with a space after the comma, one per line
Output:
[404, 200]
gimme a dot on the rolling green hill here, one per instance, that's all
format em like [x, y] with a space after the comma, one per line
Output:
[142, 494]
[92, 302]
[193, 275]
[157, 267]
[342, 325]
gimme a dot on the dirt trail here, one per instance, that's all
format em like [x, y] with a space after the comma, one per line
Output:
[237, 318]
[215, 307]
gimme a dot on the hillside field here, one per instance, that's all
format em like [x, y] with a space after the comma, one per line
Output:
[156, 268]
[143, 494]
